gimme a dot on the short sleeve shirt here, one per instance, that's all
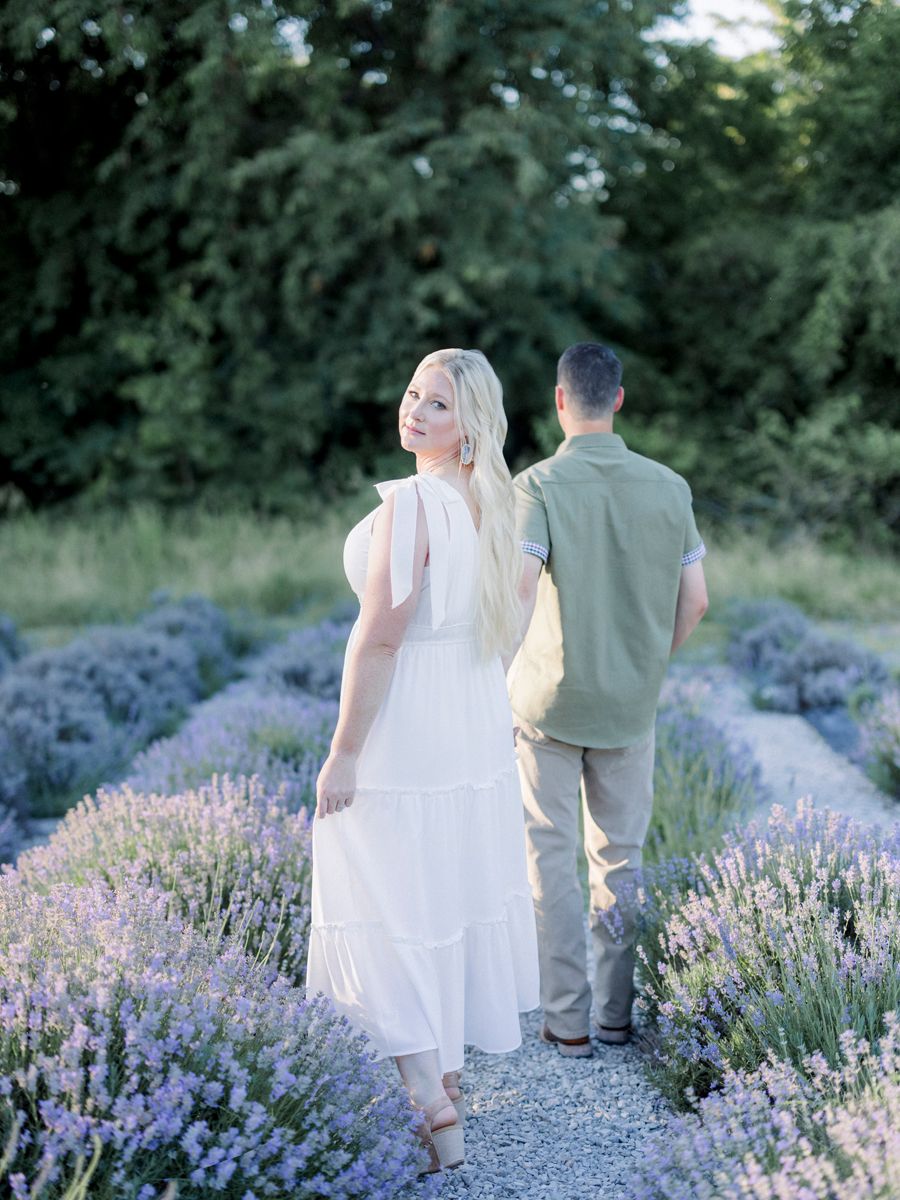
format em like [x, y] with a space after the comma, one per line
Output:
[617, 527]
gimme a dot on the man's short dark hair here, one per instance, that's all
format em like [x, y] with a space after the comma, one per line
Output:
[590, 375]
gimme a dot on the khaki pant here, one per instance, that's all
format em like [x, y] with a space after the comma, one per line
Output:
[617, 801]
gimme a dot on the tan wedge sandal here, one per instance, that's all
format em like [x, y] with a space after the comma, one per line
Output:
[451, 1080]
[445, 1146]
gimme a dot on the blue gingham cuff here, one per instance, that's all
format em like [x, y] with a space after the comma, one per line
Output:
[537, 549]
[693, 556]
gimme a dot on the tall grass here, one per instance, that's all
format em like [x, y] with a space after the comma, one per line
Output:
[826, 584]
[72, 569]
[104, 567]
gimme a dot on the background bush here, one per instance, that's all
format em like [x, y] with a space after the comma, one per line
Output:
[795, 666]
[274, 725]
[159, 1054]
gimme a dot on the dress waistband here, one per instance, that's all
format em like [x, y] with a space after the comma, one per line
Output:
[444, 634]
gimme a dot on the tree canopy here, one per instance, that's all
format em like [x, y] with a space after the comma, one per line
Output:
[232, 233]
[228, 231]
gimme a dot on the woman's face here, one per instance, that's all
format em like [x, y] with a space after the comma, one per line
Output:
[427, 423]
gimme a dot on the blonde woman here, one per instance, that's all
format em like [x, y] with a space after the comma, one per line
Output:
[422, 917]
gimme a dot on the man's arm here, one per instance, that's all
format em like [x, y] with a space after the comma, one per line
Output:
[692, 603]
[528, 596]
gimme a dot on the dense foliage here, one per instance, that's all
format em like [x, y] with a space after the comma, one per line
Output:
[135, 1052]
[769, 273]
[229, 232]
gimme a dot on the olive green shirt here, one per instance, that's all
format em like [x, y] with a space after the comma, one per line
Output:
[617, 527]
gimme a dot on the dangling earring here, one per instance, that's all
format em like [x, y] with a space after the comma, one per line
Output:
[466, 454]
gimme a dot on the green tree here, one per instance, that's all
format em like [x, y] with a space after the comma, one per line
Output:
[230, 230]
[768, 252]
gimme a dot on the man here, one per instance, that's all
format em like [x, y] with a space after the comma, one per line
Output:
[614, 581]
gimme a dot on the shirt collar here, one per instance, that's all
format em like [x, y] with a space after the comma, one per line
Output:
[590, 441]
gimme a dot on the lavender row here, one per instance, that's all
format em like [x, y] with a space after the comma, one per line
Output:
[773, 971]
[845, 690]
[274, 725]
[138, 1053]
[73, 715]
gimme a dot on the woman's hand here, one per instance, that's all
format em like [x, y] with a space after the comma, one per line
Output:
[336, 785]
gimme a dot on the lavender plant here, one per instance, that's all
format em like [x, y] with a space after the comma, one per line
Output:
[794, 665]
[280, 740]
[275, 724]
[783, 941]
[879, 748]
[159, 1056]
[783, 1133]
[702, 785]
[73, 715]
[10, 834]
[227, 857]
[11, 646]
[309, 660]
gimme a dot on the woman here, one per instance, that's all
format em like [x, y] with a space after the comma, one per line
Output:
[422, 917]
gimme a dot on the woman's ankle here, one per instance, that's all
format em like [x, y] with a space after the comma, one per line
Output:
[442, 1114]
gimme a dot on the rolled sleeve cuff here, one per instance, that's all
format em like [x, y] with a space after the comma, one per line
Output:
[692, 556]
[536, 549]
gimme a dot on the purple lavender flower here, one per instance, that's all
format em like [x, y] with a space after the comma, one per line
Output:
[136, 1045]
[780, 942]
[227, 857]
[811, 1132]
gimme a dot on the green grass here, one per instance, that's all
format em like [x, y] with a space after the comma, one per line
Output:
[68, 571]
[826, 584]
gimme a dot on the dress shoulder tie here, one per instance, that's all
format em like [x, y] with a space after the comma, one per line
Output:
[407, 493]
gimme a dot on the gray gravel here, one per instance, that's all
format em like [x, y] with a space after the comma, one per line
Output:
[795, 759]
[540, 1125]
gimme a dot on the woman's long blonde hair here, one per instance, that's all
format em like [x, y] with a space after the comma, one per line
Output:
[480, 419]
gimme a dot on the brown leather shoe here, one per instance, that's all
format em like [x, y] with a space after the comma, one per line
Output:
[613, 1037]
[570, 1047]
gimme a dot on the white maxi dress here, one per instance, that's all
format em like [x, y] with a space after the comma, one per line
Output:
[423, 929]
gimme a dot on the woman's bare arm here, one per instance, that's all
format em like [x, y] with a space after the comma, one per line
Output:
[371, 661]
[528, 586]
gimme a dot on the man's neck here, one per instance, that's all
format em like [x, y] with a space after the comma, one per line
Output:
[573, 428]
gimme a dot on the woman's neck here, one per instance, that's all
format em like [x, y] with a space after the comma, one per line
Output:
[451, 470]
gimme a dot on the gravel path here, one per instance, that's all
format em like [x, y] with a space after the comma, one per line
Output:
[543, 1126]
[795, 759]
[540, 1125]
